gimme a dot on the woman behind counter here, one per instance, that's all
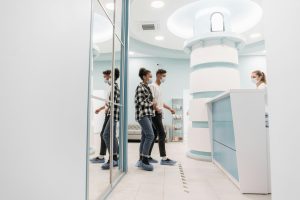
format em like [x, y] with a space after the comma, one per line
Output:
[259, 78]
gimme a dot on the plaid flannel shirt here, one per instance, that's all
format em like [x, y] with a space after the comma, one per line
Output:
[116, 101]
[143, 101]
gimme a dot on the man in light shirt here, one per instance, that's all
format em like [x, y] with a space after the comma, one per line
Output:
[157, 119]
[103, 148]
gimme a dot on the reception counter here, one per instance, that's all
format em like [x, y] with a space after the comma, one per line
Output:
[239, 138]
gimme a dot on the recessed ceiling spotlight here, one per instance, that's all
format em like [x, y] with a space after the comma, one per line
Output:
[131, 53]
[255, 35]
[157, 4]
[110, 6]
[159, 37]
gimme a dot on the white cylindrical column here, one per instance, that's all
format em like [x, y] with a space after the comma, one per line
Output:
[214, 61]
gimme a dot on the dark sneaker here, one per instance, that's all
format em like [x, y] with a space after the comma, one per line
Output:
[147, 167]
[138, 164]
[106, 165]
[98, 160]
[168, 162]
[151, 160]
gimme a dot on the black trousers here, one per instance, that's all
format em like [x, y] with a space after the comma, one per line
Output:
[102, 144]
[159, 131]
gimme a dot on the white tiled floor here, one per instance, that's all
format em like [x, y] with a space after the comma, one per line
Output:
[204, 180]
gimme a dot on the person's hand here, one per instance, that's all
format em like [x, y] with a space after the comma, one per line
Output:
[97, 111]
[154, 103]
[172, 111]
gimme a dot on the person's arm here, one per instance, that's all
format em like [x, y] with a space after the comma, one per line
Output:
[169, 108]
[97, 111]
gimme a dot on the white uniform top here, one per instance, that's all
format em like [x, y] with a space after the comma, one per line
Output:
[262, 86]
[157, 95]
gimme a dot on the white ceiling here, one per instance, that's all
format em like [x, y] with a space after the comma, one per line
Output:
[142, 12]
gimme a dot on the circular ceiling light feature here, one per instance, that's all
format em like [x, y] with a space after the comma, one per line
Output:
[255, 35]
[243, 15]
[110, 6]
[131, 53]
[102, 29]
[159, 38]
[157, 4]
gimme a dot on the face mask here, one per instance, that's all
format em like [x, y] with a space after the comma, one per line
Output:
[254, 81]
[163, 79]
[107, 81]
[149, 81]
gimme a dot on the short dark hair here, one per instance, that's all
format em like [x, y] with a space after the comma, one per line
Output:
[161, 71]
[106, 72]
[143, 72]
[117, 74]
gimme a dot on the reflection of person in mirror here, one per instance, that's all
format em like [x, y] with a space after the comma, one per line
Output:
[159, 130]
[144, 105]
[107, 80]
[114, 101]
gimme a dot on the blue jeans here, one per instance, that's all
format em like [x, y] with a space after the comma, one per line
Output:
[106, 137]
[147, 135]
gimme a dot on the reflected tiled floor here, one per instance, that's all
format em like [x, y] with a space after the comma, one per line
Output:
[204, 181]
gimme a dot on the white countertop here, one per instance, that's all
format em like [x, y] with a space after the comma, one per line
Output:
[228, 92]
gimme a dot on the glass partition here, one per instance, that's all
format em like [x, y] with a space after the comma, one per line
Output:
[107, 115]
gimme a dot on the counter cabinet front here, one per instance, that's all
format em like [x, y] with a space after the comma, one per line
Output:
[239, 138]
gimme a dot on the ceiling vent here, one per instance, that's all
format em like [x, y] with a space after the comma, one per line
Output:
[149, 26]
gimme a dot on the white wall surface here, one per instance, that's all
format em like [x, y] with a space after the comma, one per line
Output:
[282, 43]
[44, 67]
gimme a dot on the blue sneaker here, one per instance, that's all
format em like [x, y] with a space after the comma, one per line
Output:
[147, 167]
[106, 165]
[97, 160]
[138, 164]
[168, 162]
[151, 160]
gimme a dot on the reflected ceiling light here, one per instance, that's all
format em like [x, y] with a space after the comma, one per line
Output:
[131, 53]
[255, 35]
[110, 6]
[157, 4]
[159, 38]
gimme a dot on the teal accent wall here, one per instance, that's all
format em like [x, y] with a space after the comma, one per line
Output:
[199, 124]
[214, 64]
[200, 95]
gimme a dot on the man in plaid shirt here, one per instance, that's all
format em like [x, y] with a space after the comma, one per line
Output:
[116, 118]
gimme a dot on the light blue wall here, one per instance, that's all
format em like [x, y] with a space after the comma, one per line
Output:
[248, 64]
[177, 79]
